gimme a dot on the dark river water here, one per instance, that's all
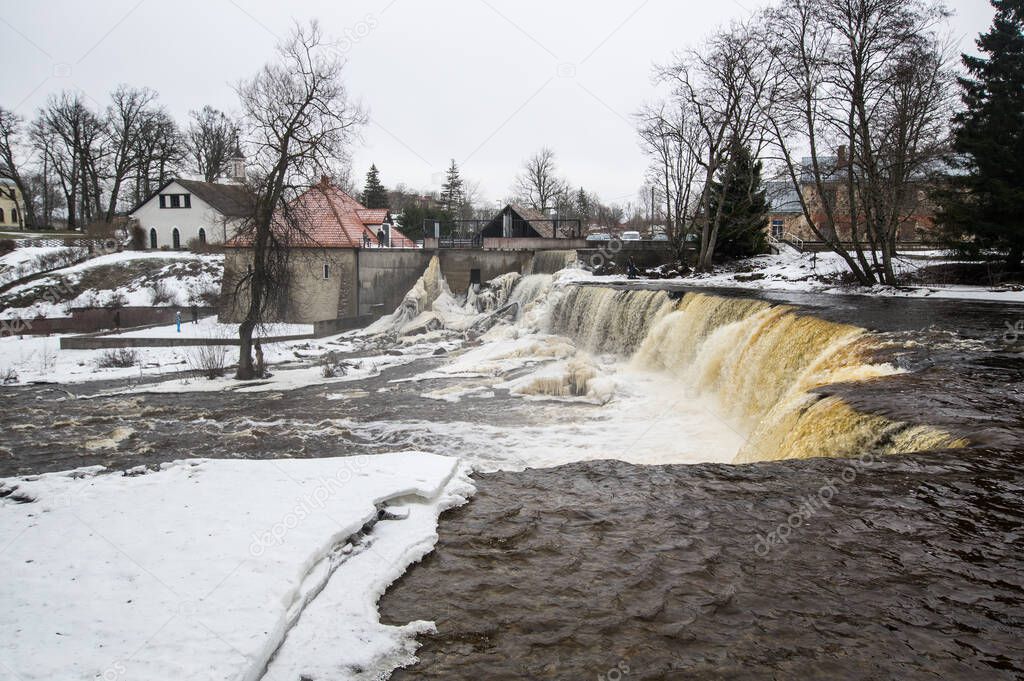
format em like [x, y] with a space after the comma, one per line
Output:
[906, 567]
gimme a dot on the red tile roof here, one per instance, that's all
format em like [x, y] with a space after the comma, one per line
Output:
[330, 218]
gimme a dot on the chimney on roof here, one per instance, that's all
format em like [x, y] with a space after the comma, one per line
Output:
[841, 156]
[325, 181]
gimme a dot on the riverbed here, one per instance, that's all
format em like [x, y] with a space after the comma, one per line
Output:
[611, 536]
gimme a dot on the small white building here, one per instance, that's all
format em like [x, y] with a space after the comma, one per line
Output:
[182, 211]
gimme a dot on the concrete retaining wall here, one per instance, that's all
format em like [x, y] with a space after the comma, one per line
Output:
[457, 265]
[385, 275]
[110, 342]
[92, 319]
[503, 244]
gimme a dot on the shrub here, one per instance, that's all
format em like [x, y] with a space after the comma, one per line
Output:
[6, 246]
[332, 367]
[139, 238]
[208, 296]
[210, 361]
[162, 294]
[9, 376]
[62, 257]
[119, 358]
[118, 300]
[197, 246]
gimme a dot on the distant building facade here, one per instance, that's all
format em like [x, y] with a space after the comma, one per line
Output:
[786, 217]
[324, 260]
[12, 211]
[185, 211]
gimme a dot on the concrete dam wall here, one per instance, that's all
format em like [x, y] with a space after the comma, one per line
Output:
[350, 284]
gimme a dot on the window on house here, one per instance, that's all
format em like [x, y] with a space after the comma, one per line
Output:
[188, 200]
[163, 201]
[202, 236]
[777, 228]
[176, 239]
[14, 215]
[327, 271]
[474, 277]
[175, 200]
[2, 218]
[152, 237]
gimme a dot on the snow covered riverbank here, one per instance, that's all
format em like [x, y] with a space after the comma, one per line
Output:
[818, 273]
[203, 569]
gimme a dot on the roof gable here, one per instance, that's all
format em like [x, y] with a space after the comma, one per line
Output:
[230, 200]
[331, 218]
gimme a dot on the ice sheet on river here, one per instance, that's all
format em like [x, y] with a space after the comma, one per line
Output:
[201, 570]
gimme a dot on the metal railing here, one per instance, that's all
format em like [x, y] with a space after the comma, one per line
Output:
[469, 233]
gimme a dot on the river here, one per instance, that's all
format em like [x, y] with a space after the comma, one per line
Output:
[634, 517]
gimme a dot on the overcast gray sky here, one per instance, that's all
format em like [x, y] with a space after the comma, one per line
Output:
[485, 82]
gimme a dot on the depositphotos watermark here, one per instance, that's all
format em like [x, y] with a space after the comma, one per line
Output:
[616, 673]
[605, 252]
[811, 505]
[309, 504]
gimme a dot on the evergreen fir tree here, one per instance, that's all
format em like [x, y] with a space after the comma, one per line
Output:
[985, 196]
[374, 193]
[744, 206]
[452, 196]
[583, 206]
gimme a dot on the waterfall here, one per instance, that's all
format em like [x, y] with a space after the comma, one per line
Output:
[549, 262]
[759, 362]
[603, 320]
[529, 289]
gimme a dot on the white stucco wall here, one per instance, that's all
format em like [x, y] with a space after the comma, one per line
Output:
[188, 221]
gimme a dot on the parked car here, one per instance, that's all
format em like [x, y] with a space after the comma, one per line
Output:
[660, 236]
[630, 236]
[599, 237]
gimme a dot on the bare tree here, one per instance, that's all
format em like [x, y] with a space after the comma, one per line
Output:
[77, 154]
[127, 122]
[298, 120]
[868, 77]
[159, 153]
[538, 185]
[669, 135]
[211, 138]
[725, 86]
[10, 166]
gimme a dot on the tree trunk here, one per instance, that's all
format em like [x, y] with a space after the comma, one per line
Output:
[245, 367]
[1014, 258]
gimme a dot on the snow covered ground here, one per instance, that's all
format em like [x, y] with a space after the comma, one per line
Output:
[216, 578]
[21, 262]
[39, 358]
[209, 327]
[814, 272]
[181, 278]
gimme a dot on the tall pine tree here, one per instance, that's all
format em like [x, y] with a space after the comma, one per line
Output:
[744, 205]
[374, 193]
[984, 202]
[452, 196]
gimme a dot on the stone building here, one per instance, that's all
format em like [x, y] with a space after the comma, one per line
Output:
[786, 219]
[324, 264]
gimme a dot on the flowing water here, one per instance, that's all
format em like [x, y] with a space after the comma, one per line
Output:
[611, 536]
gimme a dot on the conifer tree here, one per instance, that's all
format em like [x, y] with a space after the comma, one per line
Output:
[743, 203]
[374, 193]
[452, 195]
[986, 194]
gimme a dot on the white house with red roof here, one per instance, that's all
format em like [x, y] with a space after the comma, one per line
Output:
[329, 231]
